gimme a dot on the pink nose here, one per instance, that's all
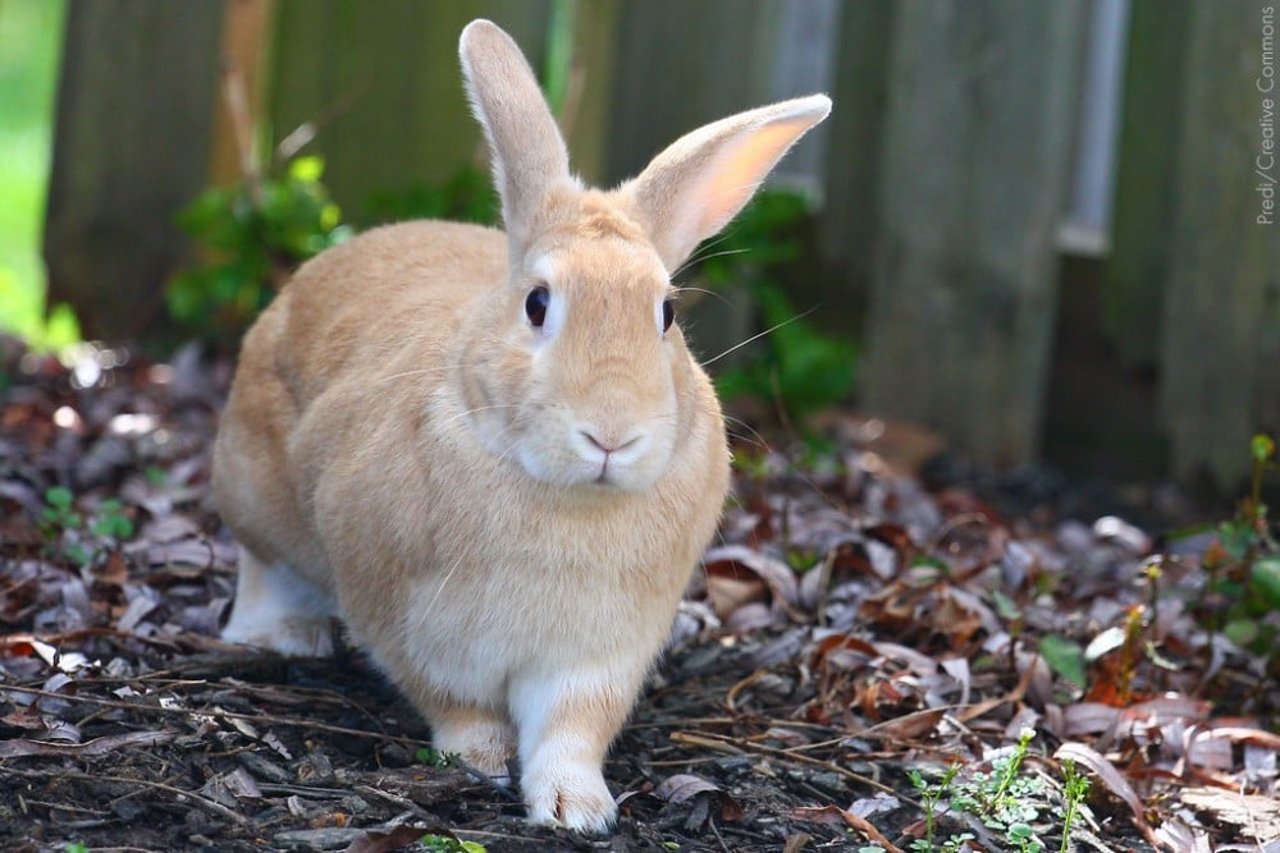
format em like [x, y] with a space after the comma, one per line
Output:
[608, 445]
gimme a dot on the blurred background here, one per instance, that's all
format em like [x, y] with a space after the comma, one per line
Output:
[1036, 229]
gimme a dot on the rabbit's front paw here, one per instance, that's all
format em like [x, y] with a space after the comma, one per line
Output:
[574, 796]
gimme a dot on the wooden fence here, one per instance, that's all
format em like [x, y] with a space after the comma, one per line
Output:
[943, 177]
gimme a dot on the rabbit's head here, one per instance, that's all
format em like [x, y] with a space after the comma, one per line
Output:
[576, 368]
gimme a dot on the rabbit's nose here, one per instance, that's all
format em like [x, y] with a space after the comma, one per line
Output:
[608, 443]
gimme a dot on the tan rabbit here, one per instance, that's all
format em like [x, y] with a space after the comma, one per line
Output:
[491, 454]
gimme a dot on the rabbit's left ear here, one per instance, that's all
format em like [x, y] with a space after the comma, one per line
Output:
[692, 189]
[528, 152]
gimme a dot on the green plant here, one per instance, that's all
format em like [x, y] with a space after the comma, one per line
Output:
[930, 796]
[431, 757]
[1004, 799]
[1074, 790]
[252, 236]
[797, 366]
[449, 844]
[67, 533]
[1243, 564]
[468, 196]
[76, 847]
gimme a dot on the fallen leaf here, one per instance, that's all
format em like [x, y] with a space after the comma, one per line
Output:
[98, 746]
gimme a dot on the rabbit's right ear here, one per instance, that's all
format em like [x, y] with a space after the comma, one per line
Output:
[528, 153]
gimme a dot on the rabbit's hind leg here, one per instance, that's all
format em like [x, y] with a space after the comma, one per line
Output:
[278, 609]
[482, 738]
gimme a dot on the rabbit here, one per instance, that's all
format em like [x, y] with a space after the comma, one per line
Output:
[490, 453]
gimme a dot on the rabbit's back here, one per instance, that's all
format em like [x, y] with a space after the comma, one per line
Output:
[352, 309]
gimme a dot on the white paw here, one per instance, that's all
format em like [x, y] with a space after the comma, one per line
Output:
[303, 638]
[573, 796]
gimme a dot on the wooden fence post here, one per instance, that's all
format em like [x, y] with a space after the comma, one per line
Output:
[1221, 341]
[1142, 230]
[847, 227]
[131, 147]
[976, 150]
[380, 82]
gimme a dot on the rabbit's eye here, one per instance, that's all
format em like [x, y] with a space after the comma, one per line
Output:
[668, 313]
[535, 305]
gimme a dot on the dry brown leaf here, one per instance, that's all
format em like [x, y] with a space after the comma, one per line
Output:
[685, 786]
[835, 816]
[378, 841]
[1256, 818]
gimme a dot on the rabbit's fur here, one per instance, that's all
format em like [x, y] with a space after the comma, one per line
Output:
[503, 513]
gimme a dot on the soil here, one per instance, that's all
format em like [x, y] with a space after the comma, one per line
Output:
[851, 626]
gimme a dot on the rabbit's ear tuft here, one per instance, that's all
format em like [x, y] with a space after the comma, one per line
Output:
[692, 189]
[528, 153]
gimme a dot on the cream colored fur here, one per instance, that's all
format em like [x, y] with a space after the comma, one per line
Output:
[504, 516]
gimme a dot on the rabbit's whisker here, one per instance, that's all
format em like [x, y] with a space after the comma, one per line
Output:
[758, 336]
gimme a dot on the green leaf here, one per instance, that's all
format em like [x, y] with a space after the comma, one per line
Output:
[1242, 632]
[59, 496]
[308, 170]
[1006, 607]
[1263, 447]
[1266, 580]
[1065, 657]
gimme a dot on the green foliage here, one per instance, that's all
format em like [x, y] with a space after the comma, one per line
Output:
[31, 35]
[1075, 789]
[796, 366]
[1243, 562]
[931, 795]
[76, 847]
[431, 757]
[466, 197]
[1004, 799]
[449, 844]
[1065, 657]
[252, 236]
[67, 533]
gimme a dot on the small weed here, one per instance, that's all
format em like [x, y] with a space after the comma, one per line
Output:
[449, 844]
[431, 757]
[66, 532]
[1242, 595]
[931, 795]
[1074, 790]
[76, 847]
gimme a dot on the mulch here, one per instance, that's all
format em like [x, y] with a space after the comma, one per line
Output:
[849, 626]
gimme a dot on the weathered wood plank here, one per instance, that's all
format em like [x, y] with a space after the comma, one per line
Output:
[975, 155]
[847, 226]
[381, 83]
[681, 65]
[131, 146]
[1221, 337]
[1142, 229]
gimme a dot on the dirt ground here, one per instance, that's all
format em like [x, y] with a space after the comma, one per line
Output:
[850, 626]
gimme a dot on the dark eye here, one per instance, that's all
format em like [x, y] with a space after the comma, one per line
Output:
[668, 313]
[535, 305]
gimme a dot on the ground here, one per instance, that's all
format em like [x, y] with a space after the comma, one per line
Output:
[849, 627]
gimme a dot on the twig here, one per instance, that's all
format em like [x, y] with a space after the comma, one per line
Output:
[731, 744]
[216, 808]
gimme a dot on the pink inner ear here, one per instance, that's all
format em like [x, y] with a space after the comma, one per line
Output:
[741, 169]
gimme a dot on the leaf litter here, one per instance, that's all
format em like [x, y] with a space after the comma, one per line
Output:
[848, 626]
